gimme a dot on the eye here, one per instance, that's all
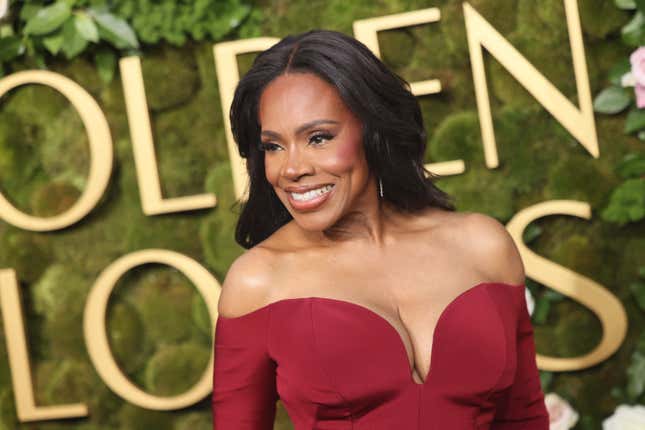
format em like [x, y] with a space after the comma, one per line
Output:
[320, 138]
[268, 146]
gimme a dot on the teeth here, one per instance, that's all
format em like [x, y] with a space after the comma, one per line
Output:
[311, 194]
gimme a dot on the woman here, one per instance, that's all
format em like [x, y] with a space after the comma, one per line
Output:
[364, 301]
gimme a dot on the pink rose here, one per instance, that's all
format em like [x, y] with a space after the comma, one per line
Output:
[637, 60]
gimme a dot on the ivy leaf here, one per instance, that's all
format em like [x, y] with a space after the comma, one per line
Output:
[105, 60]
[626, 203]
[48, 19]
[86, 27]
[28, 11]
[10, 48]
[618, 70]
[635, 120]
[54, 42]
[73, 42]
[115, 30]
[633, 33]
[611, 100]
[631, 166]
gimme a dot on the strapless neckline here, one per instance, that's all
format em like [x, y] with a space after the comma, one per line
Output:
[384, 321]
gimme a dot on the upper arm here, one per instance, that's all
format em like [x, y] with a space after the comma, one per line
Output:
[246, 285]
[493, 249]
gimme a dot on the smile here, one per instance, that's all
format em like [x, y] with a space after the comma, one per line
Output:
[311, 194]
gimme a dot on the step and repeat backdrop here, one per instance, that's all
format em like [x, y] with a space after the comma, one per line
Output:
[119, 180]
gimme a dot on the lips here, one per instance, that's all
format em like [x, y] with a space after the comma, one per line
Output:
[308, 203]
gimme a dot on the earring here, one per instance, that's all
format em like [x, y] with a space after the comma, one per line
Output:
[380, 187]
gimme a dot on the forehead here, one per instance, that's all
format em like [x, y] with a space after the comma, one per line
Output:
[295, 98]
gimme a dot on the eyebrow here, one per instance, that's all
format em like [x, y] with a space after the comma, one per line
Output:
[302, 128]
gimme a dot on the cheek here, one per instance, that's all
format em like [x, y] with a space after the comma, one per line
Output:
[347, 156]
[271, 170]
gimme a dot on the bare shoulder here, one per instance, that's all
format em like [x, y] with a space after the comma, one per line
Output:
[485, 241]
[246, 286]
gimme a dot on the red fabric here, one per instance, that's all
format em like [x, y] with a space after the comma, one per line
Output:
[339, 365]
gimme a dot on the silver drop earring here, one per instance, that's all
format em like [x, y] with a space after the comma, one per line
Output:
[380, 187]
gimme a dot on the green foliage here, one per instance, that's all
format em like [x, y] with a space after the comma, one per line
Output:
[611, 100]
[627, 201]
[72, 27]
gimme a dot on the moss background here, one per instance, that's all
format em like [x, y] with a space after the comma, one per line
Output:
[158, 325]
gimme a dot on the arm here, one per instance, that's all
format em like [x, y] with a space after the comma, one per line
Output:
[522, 407]
[244, 386]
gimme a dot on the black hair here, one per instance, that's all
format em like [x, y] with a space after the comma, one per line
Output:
[394, 136]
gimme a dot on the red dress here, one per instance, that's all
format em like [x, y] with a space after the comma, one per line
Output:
[339, 365]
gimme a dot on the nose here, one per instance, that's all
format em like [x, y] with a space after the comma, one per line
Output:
[296, 164]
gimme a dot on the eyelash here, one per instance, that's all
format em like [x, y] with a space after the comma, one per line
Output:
[269, 147]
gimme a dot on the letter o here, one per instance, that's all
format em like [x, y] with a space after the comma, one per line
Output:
[100, 140]
[95, 331]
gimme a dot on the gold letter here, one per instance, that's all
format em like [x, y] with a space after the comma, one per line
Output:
[143, 146]
[605, 305]
[19, 358]
[96, 339]
[580, 123]
[366, 30]
[100, 142]
[228, 75]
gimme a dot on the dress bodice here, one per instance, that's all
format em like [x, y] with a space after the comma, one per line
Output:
[339, 365]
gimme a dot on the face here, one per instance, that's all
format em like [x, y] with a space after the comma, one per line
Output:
[314, 156]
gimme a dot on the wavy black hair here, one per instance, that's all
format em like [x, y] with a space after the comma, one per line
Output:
[394, 136]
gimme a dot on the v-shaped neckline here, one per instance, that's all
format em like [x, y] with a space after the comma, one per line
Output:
[389, 325]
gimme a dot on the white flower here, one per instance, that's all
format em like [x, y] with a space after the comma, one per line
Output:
[628, 80]
[626, 417]
[4, 8]
[530, 303]
[561, 415]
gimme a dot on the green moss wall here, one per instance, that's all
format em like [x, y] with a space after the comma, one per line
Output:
[158, 325]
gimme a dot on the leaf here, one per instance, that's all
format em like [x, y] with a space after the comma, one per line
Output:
[641, 135]
[636, 375]
[48, 19]
[611, 100]
[531, 232]
[553, 296]
[105, 60]
[545, 380]
[54, 42]
[638, 291]
[28, 11]
[10, 48]
[631, 166]
[115, 30]
[640, 5]
[542, 309]
[635, 120]
[73, 42]
[618, 70]
[86, 27]
[625, 4]
[633, 33]
[626, 202]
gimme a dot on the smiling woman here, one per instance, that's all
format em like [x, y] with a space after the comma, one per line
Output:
[364, 301]
[359, 120]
